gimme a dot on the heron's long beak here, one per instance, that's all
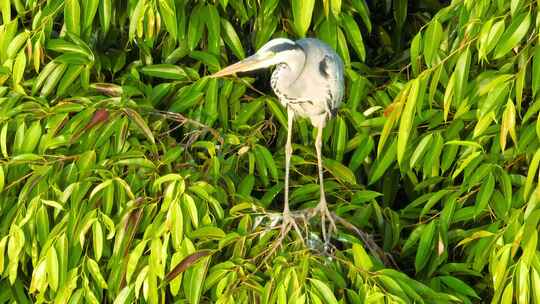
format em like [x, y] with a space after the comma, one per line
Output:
[249, 64]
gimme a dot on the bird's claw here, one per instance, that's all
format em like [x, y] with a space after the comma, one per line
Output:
[288, 222]
[322, 208]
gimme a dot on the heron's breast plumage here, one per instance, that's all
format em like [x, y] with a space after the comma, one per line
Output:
[316, 88]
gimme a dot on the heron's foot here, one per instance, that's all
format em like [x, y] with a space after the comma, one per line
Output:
[288, 223]
[322, 209]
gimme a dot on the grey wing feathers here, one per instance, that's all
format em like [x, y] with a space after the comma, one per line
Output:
[333, 68]
[329, 67]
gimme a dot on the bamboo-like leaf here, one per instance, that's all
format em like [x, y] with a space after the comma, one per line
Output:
[52, 268]
[189, 204]
[533, 168]
[195, 27]
[165, 71]
[340, 138]
[72, 73]
[89, 8]
[520, 81]
[5, 9]
[105, 15]
[383, 163]
[18, 68]
[139, 121]
[302, 11]
[425, 246]
[341, 172]
[213, 24]
[97, 240]
[462, 73]
[95, 272]
[459, 286]
[195, 275]
[167, 10]
[2, 184]
[362, 8]
[395, 111]
[486, 190]
[16, 44]
[52, 80]
[433, 37]
[508, 124]
[513, 34]
[325, 291]
[354, 35]
[232, 40]
[536, 71]
[448, 96]
[483, 123]
[135, 18]
[416, 46]
[420, 150]
[72, 16]
[535, 285]
[407, 118]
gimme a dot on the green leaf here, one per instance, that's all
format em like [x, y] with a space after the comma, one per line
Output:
[16, 44]
[389, 156]
[71, 75]
[167, 10]
[462, 74]
[325, 291]
[136, 17]
[194, 280]
[72, 16]
[18, 68]
[532, 170]
[2, 184]
[425, 246]
[195, 27]
[433, 37]
[52, 268]
[340, 171]
[232, 40]
[459, 286]
[95, 272]
[354, 35]
[105, 15]
[133, 259]
[302, 11]
[364, 196]
[139, 121]
[513, 34]
[362, 8]
[89, 9]
[165, 71]
[406, 121]
[486, 190]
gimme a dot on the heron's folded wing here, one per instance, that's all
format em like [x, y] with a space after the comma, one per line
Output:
[331, 68]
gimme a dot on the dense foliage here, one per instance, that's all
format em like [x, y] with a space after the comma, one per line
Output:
[127, 175]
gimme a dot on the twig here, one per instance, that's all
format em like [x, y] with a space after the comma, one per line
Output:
[185, 120]
[386, 258]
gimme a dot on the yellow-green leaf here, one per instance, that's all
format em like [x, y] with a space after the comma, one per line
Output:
[72, 16]
[302, 12]
[407, 119]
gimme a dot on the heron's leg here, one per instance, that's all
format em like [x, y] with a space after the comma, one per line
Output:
[288, 153]
[322, 206]
[288, 219]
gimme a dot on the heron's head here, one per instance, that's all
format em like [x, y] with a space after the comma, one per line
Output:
[274, 52]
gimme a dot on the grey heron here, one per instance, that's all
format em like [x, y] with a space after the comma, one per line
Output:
[308, 81]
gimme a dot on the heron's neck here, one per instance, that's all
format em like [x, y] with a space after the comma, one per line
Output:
[286, 73]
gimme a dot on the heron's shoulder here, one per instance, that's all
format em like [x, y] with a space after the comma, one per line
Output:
[323, 50]
[315, 43]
